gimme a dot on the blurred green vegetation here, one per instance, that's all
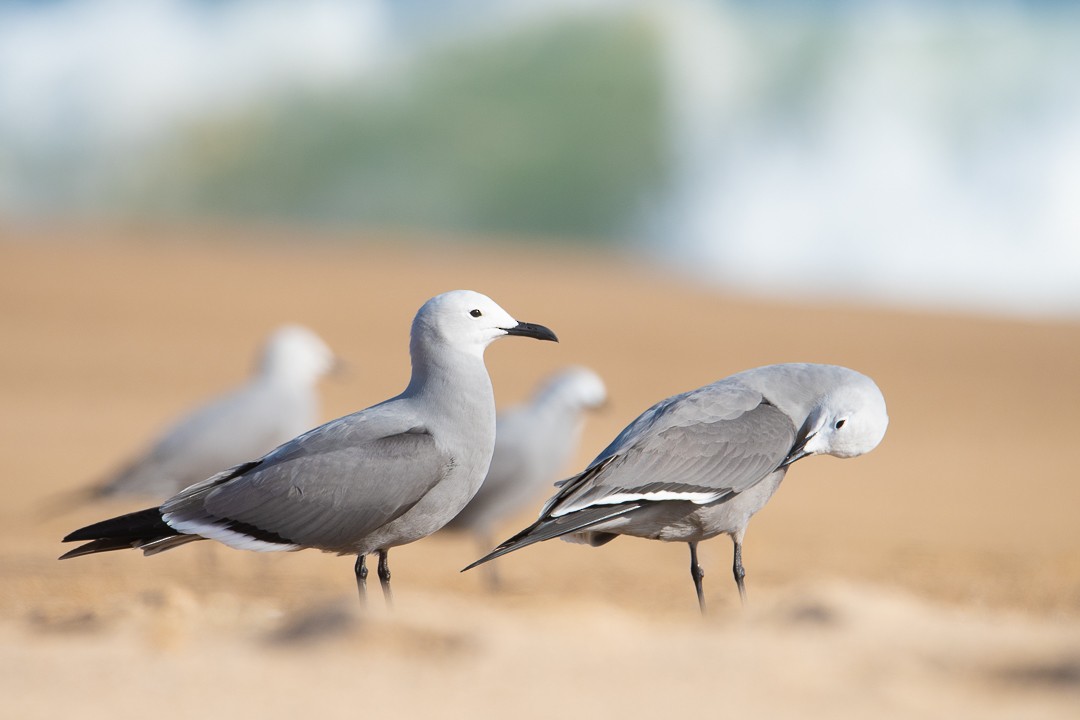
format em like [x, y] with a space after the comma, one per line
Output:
[556, 130]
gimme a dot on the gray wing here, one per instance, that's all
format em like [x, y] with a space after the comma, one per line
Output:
[328, 489]
[701, 447]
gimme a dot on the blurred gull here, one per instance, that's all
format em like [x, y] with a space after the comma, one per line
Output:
[702, 463]
[364, 483]
[533, 442]
[275, 405]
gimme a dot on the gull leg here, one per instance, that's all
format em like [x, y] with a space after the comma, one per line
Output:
[361, 577]
[384, 576]
[697, 573]
[737, 569]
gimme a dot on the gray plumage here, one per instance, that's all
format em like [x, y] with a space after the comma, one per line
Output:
[364, 483]
[278, 403]
[700, 464]
[533, 442]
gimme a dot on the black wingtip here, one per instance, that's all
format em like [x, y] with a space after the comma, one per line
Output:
[120, 533]
[132, 526]
[548, 528]
[497, 552]
[97, 546]
[522, 539]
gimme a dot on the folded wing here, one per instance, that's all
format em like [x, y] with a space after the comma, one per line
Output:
[327, 489]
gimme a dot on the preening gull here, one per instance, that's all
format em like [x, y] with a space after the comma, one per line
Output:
[700, 464]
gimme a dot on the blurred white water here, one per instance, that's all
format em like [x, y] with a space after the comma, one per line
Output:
[902, 152]
[109, 69]
[899, 152]
[85, 86]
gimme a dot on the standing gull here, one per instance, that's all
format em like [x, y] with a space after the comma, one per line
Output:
[533, 442]
[275, 405]
[700, 464]
[364, 483]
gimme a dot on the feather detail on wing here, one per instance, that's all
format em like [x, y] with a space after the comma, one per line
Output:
[295, 496]
[700, 462]
[701, 449]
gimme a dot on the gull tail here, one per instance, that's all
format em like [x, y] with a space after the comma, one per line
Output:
[133, 530]
[547, 528]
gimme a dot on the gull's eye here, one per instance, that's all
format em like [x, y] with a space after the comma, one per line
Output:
[840, 423]
[475, 313]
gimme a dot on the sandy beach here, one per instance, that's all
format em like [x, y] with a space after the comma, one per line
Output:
[938, 576]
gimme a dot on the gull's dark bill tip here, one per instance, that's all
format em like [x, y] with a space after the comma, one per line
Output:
[532, 330]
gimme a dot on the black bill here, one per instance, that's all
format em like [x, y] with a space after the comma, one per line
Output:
[532, 330]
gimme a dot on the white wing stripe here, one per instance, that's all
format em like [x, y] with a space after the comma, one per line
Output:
[698, 498]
